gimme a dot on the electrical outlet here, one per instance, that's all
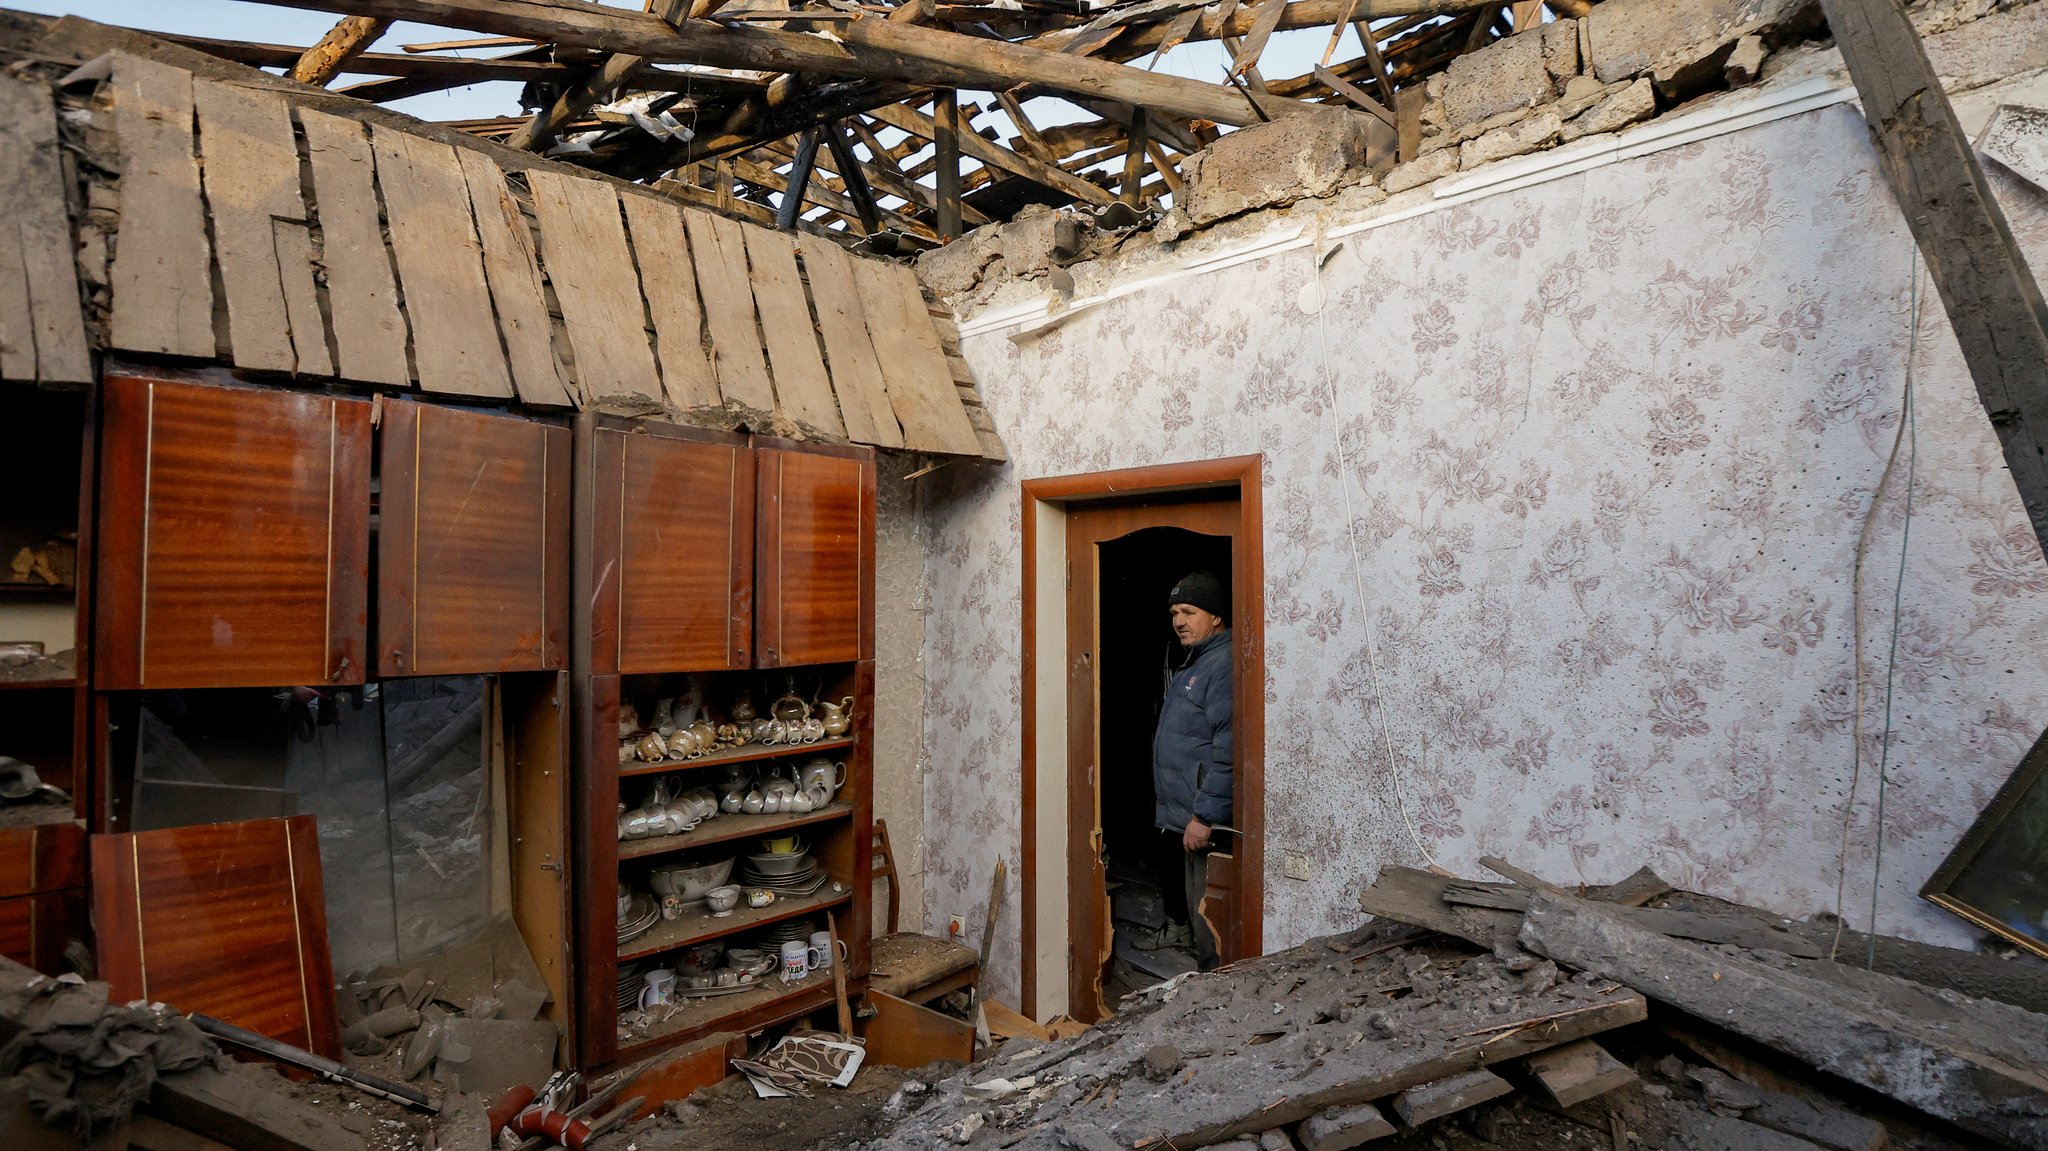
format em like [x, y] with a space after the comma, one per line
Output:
[1297, 865]
[956, 926]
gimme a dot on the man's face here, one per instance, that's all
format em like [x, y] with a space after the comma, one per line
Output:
[1193, 625]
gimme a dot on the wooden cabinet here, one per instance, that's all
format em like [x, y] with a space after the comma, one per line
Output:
[234, 528]
[42, 893]
[473, 543]
[696, 552]
[671, 520]
[815, 556]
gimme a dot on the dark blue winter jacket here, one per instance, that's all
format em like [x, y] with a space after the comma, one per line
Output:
[1191, 751]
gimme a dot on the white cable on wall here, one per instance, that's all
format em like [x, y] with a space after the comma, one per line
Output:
[1908, 420]
[1318, 256]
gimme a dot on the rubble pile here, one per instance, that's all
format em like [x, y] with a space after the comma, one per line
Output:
[1460, 994]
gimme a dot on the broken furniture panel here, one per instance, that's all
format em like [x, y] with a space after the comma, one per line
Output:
[42, 892]
[228, 919]
[903, 1034]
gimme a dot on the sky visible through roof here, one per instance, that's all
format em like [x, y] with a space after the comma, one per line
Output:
[1287, 54]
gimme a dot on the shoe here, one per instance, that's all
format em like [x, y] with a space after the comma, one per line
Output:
[1172, 936]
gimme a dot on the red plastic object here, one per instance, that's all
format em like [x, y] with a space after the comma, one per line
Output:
[556, 1125]
[509, 1105]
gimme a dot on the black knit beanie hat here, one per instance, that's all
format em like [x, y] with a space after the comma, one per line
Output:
[1203, 590]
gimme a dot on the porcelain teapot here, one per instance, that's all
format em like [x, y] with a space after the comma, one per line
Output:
[837, 717]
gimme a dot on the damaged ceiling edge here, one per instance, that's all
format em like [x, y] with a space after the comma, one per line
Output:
[1746, 110]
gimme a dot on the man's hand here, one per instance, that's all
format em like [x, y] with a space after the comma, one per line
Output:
[1196, 837]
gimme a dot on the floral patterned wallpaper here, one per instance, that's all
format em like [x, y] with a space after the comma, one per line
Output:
[1606, 446]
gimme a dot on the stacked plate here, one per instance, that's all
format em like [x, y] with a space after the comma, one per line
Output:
[798, 930]
[630, 980]
[788, 874]
[640, 917]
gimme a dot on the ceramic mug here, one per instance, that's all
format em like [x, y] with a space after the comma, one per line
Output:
[819, 954]
[796, 961]
[658, 989]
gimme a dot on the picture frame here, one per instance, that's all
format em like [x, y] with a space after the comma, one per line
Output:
[1997, 875]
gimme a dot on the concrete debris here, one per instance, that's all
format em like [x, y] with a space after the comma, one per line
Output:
[1427, 169]
[1292, 158]
[1500, 77]
[1540, 130]
[1746, 61]
[1560, 50]
[1632, 37]
[1634, 103]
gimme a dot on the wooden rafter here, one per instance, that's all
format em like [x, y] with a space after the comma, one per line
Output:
[343, 42]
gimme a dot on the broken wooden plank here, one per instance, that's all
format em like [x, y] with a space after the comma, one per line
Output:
[362, 295]
[1576, 1072]
[856, 373]
[249, 167]
[1415, 897]
[802, 388]
[1341, 1128]
[162, 285]
[1419, 1105]
[1972, 1062]
[293, 242]
[42, 328]
[440, 266]
[1739, 926]
[718, 249]
[669, 281]
[913, 366]
[512, 270]
[583, 245]
[1993, 301]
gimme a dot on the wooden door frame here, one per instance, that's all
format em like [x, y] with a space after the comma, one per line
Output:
[1242, 473]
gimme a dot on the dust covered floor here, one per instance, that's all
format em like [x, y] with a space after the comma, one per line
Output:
[728, 1117]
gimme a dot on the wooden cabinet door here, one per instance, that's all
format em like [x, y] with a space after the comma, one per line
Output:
[816, 556]
[473, 543]
[673, 552]
[234, 536]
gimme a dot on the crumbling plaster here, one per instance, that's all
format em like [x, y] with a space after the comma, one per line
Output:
[1608, 442]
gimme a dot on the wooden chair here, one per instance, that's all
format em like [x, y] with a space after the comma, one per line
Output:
[910, 965]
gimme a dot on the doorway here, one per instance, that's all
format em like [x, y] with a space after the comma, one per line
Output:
[1126, 873]
[1096, 645]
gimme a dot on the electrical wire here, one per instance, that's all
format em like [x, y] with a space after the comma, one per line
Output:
[1318, 256]
[1906, 420]
[1912, 424]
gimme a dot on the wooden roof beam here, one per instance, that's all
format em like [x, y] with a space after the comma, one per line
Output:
[995, 155]
[343, 42]
[874, 48]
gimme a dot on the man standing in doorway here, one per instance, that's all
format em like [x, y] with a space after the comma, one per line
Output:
[1191, 750]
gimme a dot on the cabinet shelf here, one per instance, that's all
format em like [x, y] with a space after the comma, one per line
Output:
[698, 926]
[725, 828]
[765, 1005]
[66, 684]
[746, 753]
